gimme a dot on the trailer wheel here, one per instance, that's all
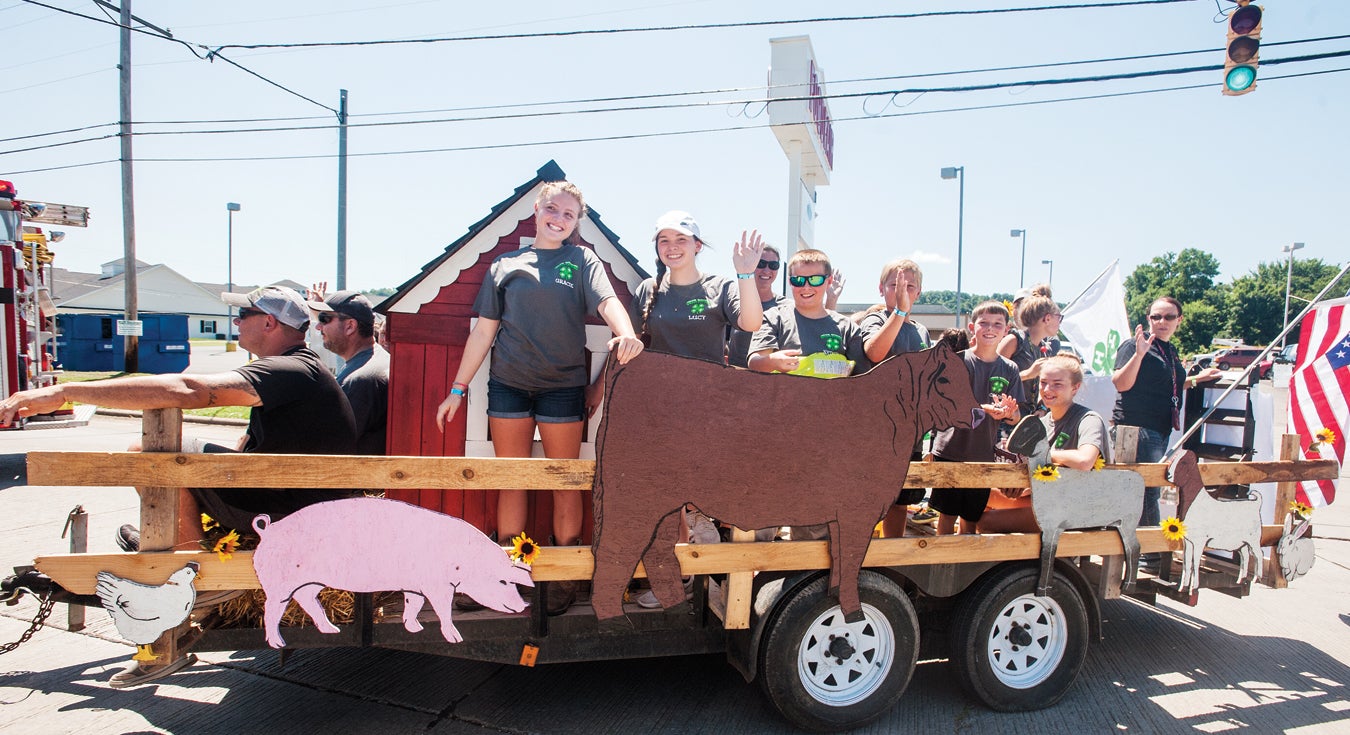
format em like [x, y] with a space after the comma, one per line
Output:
[825, 674]
[1015, 651]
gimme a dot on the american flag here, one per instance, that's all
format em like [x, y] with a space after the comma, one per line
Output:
[1319, 394]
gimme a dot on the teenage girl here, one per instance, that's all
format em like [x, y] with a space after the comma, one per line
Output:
[531, 311]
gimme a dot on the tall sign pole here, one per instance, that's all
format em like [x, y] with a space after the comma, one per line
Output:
[342, 193]
[800, 118]
[132, 342]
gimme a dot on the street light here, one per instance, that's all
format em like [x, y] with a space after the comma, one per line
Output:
[958, 173]
[231, 208]
[1288, 281]
[1022, 281]
[1051, 280]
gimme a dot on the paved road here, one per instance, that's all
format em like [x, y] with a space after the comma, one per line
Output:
[1278, 660]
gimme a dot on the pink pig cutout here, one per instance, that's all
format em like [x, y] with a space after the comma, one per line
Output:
[376, 545]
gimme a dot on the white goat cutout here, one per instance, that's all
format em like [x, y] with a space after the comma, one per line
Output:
[1078, 500]
[1211, 523]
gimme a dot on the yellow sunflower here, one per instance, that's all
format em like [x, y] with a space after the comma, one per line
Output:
[1302, 510]
[208, 522]
[524, 549]
[1325, 435]
[1173, 529]
[1046, 473]
[1008, 305]
[1100, 463]
[227, 545]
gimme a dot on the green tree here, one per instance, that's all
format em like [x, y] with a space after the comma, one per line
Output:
[1256, 300]
[1188, 277]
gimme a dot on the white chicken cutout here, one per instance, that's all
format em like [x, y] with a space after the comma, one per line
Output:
[142, 612]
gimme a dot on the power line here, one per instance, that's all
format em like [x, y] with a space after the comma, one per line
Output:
[672, 133]
[701, 26]
[891, 93]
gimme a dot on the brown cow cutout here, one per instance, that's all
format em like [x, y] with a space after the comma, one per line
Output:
[758, 451]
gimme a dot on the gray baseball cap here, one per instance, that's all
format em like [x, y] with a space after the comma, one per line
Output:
[284, 304]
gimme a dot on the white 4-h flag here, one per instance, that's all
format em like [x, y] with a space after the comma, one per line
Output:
[1096, 323]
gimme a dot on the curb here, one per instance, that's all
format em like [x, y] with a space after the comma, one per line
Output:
[188, 418]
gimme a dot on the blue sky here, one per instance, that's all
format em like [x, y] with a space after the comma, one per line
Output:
[1126, 177]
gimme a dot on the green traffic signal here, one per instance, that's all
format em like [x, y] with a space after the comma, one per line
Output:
[1244, 44]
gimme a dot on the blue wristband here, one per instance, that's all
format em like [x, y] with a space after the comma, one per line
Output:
[457, 392]
[744, 276]
[901, 314]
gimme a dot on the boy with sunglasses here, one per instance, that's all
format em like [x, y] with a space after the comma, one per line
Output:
[805, 327]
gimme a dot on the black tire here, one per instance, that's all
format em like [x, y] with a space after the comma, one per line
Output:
[1014, 651]
[1225, 366]
[825, 674]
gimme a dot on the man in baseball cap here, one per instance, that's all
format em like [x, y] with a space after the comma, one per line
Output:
[346, 320]
[281, 303]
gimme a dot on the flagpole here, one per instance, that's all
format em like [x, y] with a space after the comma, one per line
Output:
[1255, 364]
[1090, 285]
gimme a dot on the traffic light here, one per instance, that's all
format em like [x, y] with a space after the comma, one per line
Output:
[1244, 45]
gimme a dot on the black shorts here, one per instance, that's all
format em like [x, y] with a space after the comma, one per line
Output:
[912, 495]
[967, 502]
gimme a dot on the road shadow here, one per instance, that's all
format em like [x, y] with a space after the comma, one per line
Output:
[13, 470]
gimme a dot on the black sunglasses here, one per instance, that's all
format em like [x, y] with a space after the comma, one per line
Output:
[817, 280]
[245, 312]
[770, 264]
[329, 316]
[1160, 317]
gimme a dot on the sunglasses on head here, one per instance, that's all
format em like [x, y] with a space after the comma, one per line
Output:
[1161, 317]
[328, 316]
[817, 280]
[770, 264]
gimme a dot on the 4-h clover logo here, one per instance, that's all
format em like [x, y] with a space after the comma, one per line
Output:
[566, 270]
[832, 341]
[1061, 440]
[997, 383]
[697, 306]
[1104, 353]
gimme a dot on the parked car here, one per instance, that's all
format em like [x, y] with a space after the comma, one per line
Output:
[1284, 356]
[1237, 357]
[1200, 362]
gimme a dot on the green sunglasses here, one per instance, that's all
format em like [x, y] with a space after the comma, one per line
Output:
[817, 280]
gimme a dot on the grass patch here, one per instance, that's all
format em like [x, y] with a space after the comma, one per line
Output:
[224, 412]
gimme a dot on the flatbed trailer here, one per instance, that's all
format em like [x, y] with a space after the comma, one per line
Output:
[969, 598]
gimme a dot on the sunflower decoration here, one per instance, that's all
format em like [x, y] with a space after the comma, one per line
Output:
[1046, 473]
[1100, 463]
[226, 545]
[1008, 305]
[1323, 438]
[208, 523]
[1173, 529]
[1302, 510]
[524, 549]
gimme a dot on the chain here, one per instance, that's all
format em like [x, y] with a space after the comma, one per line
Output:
[44, 609]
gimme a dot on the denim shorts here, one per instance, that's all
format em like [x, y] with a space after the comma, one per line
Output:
[556, 406]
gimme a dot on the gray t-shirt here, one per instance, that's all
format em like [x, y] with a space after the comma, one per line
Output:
[1080, 427]
[911, 338]
[542, 299]
[738, 346]
[987, 379]
[365, 380]
[785, 329]
[690, 320]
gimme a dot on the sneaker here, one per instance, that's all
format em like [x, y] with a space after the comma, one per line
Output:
[702, 530]
[139, 672]
[924, 516]
[129, 537]
[647, 600]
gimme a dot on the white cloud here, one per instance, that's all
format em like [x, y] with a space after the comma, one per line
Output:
[922, 257]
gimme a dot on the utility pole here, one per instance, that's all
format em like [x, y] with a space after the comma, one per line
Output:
[132, 342]
[342, 193]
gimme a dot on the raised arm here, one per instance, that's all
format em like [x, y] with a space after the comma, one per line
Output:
[745, 258]
[1123, 377]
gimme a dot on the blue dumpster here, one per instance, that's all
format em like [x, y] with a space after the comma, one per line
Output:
[90, 342]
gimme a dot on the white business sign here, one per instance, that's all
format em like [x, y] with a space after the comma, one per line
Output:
[127, 328]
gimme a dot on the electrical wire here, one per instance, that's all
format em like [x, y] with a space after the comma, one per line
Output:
[702, 26]
[669, 133]
[892, 93]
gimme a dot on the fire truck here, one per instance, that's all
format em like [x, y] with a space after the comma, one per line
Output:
[27, 313]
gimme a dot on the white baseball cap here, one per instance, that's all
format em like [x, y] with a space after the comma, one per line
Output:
[682, 222]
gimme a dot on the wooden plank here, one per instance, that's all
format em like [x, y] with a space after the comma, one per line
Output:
[161, 431]
[739, 588]
[482, 473]
[1285, 492]
[75, 572]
